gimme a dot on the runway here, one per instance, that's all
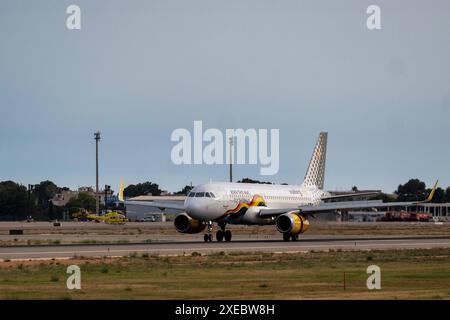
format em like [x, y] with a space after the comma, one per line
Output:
[188, 247]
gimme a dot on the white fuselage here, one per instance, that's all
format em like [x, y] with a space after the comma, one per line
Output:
[215, 201]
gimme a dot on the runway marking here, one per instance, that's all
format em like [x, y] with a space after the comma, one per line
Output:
[375, 245]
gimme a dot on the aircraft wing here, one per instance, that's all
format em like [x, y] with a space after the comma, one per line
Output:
[336, 206]
[162, 205]
[344, 205]
[352, 195]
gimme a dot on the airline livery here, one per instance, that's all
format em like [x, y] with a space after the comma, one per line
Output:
[288, 207]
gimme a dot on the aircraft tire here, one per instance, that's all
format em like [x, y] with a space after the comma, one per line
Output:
[227, 235]
[219, 235]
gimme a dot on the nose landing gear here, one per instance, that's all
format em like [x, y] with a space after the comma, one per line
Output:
[208, 235]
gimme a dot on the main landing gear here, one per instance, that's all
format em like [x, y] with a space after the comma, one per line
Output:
[221, 234]
[287, 237]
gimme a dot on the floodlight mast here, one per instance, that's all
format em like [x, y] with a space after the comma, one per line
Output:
[97, 196]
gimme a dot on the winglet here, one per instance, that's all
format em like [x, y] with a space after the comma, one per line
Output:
[432, 192]
[121, 191]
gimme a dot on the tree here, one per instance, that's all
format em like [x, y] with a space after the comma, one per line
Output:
[83, 200]
[447, 195]
[141, 189]
[15, 201]
[185, 190]
[413, 190]
[355, 188]
[44, 191]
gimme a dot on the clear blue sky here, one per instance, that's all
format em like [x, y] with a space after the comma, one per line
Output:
[140, 69]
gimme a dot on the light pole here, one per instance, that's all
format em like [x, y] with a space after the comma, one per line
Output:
[231, 159]
[30, 190]
[97, 197]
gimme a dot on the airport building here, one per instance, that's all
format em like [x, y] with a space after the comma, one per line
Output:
[437, 210]
[64, 196]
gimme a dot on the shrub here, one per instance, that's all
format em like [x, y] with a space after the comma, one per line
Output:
[104, 269]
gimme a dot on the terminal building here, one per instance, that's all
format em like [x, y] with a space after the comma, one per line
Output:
[437, 211]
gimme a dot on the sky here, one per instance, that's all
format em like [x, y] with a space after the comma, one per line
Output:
[138, 70]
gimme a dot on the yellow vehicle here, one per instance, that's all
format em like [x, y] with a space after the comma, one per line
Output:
[110, 217]
[115, 217]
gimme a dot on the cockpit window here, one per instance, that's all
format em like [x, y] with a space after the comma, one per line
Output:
[199, 194]
[212, 195]
[208, 195]
[191, 194]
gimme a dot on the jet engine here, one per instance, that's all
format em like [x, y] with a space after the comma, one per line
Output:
[292, 223]
[185, 224]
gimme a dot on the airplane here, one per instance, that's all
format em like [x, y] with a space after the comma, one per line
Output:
[288, 207]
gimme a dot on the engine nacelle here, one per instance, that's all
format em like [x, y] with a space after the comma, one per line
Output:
[292, 223]
[185, 224]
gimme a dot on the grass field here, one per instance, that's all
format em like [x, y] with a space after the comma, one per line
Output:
[405, 274]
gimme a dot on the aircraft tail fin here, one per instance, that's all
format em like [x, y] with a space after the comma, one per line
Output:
[315, 175]
[433, 191]
[121, 190]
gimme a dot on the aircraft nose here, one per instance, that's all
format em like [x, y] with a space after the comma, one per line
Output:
[192, 206]
[196, 208]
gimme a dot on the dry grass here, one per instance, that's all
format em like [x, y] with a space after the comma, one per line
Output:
[406, 274]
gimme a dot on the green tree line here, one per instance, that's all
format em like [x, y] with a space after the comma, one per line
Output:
[17, 202]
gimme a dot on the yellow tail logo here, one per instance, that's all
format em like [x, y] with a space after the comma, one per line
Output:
[430, 196]
[121, 190]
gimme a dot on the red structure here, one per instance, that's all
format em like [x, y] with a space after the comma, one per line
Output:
[407, 216]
